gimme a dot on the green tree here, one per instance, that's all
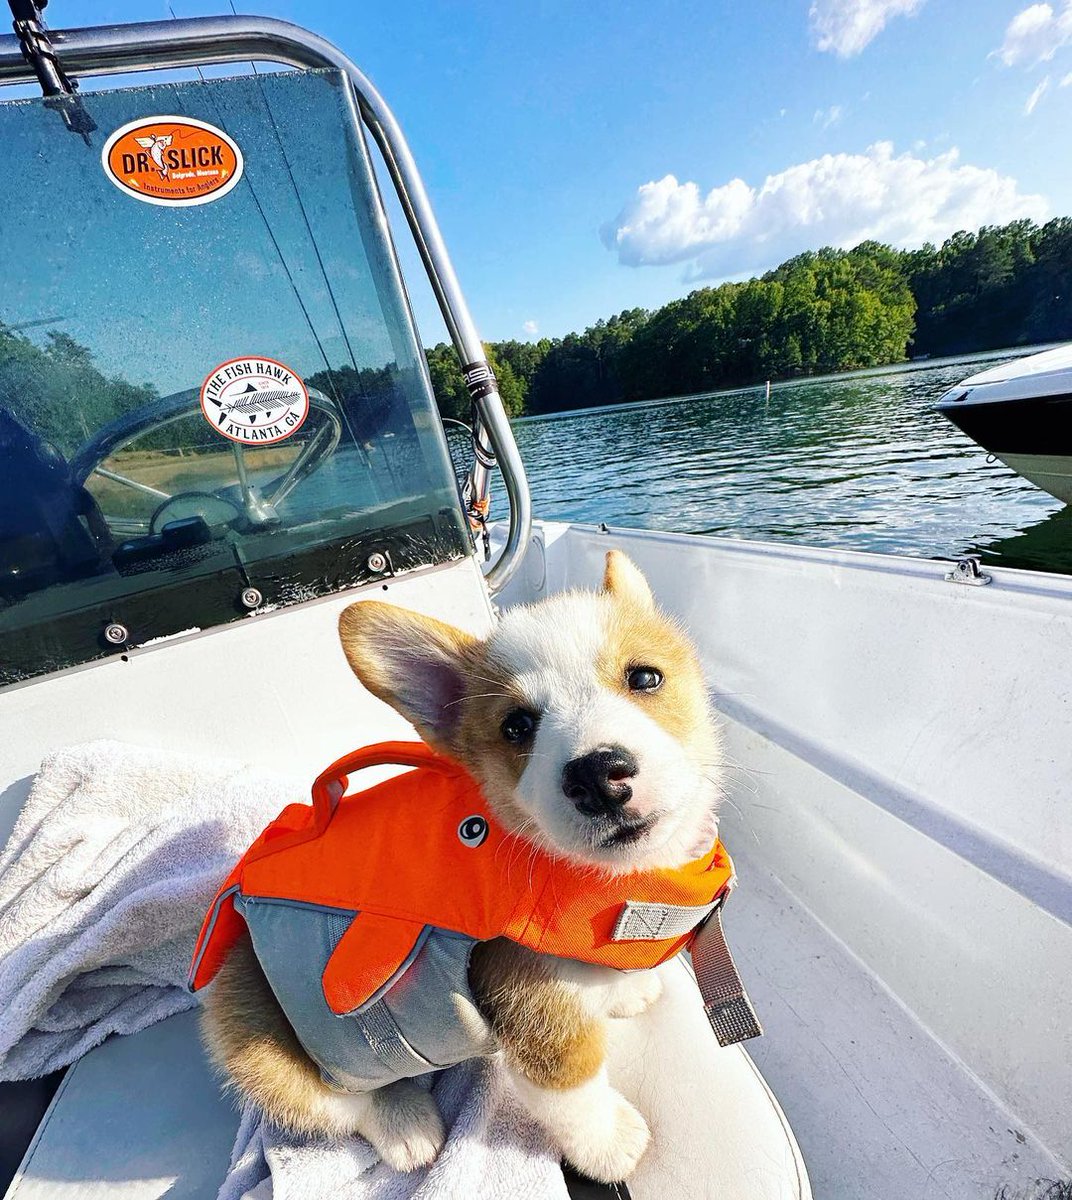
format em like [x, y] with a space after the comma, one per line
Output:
[448, 382]
[451, 392]
[59, 391]
[978, 290]
[1049, 314]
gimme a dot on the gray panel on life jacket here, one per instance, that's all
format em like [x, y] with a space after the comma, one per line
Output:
[425, 1020]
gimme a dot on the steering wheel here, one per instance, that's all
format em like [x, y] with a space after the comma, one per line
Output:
[254, 506]
[213, 509]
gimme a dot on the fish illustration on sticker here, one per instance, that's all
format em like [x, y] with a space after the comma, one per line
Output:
[175, 162]
[254, 401]
[156, 145]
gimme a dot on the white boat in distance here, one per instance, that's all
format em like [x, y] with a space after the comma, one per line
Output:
[1022, 413]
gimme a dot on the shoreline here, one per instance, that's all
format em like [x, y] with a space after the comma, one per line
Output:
[916, 364]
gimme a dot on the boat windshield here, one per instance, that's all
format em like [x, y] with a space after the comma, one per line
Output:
[212, 394]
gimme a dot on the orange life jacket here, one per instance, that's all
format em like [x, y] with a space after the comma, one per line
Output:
[422, 852]
[399, 854]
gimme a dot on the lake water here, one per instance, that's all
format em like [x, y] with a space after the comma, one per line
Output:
[860, 462]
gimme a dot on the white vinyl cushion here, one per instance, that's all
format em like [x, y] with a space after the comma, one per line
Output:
[717, 1131]
[142, 1117]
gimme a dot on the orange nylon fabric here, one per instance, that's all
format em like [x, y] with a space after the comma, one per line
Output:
[394, 855]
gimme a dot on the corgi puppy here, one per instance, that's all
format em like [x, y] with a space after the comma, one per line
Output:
[586, 720]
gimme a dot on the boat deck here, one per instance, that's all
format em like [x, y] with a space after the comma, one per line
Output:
[953, 896]
[882, 1111]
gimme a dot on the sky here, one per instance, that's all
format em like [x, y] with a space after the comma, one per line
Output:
[587, 156]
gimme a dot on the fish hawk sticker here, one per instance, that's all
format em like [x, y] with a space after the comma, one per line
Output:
[254, 401]
[172, 161]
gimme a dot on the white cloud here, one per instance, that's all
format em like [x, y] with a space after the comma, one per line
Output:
[532, 328]
[838, 199]
[1036, 96]
[846, 26]
[825, 117]
[1067, 81]
[1035, 35]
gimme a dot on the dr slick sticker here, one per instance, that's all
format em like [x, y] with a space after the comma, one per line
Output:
[255, 401]
[172, 161]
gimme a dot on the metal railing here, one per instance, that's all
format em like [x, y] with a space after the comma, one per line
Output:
[202, 41]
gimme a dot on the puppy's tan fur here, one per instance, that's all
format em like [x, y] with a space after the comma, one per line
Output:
[548, 1015]
[544, 1029]
[251, 1040]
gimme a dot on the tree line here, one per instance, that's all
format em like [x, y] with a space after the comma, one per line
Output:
[822, 311]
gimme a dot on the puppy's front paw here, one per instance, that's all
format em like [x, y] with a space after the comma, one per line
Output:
[635, 994]
[407, 1129]
[608, 1150]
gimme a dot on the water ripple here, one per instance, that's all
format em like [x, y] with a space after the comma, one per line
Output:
[861, 462]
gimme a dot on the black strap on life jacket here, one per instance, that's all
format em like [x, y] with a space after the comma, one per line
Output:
[580, 1187]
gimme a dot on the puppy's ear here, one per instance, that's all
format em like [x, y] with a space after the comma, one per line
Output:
[416, 664]
[622, 580]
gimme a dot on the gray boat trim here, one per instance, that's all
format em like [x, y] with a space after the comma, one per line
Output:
[1035, 881]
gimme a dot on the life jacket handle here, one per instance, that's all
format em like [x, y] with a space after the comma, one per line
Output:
[331, 784]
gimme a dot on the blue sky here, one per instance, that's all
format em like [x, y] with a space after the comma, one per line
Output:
[539, 127]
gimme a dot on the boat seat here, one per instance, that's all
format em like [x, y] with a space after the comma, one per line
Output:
[50, 527]
[143, 1117]
[138, 1117]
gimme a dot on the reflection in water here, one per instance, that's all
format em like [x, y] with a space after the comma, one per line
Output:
[1046, 546]
[857, 462]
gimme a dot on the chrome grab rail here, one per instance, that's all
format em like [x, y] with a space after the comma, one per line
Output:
[200, 41]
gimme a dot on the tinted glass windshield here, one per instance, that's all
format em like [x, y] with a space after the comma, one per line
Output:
[209, 377]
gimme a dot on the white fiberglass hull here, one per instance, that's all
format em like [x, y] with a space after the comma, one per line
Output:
[1021, 411]
[900, 769]
[1051, 472]
[899, 759]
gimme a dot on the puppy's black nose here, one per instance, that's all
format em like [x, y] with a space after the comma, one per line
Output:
[596, 782]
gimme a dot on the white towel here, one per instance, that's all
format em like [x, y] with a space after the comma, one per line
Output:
[103, 886]
[494, 1151]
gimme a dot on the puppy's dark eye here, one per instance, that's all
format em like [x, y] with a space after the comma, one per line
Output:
[643, 679]
[518, 725]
